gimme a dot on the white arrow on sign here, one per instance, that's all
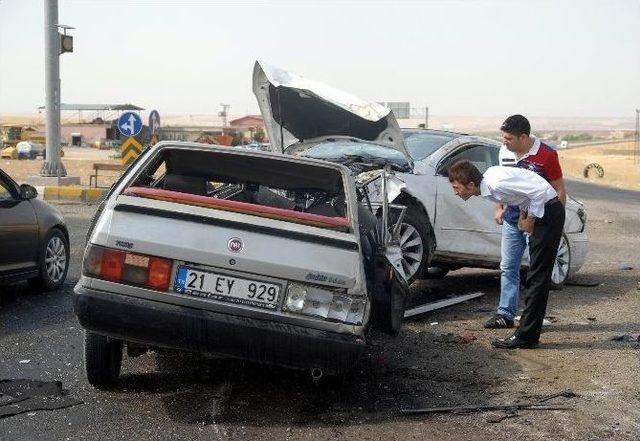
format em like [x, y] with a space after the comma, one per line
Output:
[129, 126]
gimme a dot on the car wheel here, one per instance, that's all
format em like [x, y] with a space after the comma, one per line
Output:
[102, 360]
[436, 272]
[416, 243]
[53, 262]
[562, 265]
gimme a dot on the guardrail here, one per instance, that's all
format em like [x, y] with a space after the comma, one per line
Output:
[590, 143]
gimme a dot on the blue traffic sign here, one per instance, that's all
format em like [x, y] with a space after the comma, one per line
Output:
[129, 124]
[154, 122]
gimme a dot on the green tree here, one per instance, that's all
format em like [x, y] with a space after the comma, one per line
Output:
[237, 138]
[258, 134]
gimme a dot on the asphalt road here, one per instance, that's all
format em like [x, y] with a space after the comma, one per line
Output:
[427, 365]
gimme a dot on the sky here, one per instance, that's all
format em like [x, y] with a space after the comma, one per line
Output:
[566, 58]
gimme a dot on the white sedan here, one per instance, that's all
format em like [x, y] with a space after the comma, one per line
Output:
[441, 232]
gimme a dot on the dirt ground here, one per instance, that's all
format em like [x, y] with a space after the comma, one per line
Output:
[77, 161]
[620, 168]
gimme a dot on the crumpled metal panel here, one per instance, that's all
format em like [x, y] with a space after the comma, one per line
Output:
[265, 75]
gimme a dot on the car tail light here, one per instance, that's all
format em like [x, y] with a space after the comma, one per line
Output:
[159, 273]
[112, 265]
[130, 268]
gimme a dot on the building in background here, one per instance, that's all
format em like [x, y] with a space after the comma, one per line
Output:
[401, 109]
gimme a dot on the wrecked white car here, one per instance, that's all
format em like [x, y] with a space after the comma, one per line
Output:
[235, 253]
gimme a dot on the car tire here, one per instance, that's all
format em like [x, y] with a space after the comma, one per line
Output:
[436, 272]
[53, 262]
[562, 264]
[416, 242]
[102, 360]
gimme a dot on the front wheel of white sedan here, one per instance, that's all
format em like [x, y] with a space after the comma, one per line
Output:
[562, 264]
[416, 243]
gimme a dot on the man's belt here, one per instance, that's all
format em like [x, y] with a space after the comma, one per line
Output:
[552, 201]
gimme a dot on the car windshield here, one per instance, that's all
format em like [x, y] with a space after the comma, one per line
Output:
[341, 150]
[421, 144]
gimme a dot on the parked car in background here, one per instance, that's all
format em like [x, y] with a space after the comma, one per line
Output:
[439, 232]
[9, 153]
[30, 150]
[34, 241]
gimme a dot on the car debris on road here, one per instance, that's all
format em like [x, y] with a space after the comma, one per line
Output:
[530, 405]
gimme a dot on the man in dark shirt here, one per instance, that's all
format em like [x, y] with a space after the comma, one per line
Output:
[522, 150]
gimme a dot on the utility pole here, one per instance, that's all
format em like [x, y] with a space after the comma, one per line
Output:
[224, 114]
[52, 166]
[636, 141]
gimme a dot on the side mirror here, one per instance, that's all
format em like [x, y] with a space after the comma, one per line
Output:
[28, 192]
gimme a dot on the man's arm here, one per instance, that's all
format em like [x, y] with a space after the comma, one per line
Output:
[526, 222]
[498, 213]
[558, 186]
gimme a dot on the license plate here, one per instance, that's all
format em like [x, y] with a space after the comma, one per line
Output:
[210, 285]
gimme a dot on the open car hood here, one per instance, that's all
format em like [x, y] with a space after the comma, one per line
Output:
[296, 109]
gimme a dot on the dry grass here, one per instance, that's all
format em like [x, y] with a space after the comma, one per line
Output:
[620, 169]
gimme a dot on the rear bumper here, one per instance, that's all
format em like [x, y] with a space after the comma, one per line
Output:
[174, 326]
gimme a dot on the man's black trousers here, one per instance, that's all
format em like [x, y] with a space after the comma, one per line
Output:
[543, 248]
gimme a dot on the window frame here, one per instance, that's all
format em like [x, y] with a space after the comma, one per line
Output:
[444, 163]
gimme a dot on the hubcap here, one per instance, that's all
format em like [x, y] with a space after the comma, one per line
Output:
[412, 249]
[55, 259]
[561, 265]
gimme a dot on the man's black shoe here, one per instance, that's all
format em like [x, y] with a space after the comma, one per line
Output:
[498, 322]
[513, 342]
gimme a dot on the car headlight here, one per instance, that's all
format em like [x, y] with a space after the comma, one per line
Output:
[328, 304]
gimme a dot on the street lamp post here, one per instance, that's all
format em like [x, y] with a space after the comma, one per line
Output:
[52, 166]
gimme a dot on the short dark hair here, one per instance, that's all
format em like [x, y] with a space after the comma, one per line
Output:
[464, 172]
[516, 125]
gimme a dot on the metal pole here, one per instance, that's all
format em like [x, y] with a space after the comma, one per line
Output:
[636, 143]
[426, 117]
[52, 165]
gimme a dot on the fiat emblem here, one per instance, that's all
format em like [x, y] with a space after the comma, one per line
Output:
[235, 245]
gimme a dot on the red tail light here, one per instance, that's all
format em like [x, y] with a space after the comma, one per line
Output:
[112, 265]
[159, 273]
[130, 268]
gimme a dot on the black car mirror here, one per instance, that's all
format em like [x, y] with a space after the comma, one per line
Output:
[28, 192]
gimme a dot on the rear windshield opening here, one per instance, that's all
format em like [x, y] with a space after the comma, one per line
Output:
[289, 188]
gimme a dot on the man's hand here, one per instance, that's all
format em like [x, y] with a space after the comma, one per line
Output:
[498, 214]
[526, 223]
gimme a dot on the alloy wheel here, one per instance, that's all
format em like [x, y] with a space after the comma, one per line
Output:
[55, 259]
[412, 249]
